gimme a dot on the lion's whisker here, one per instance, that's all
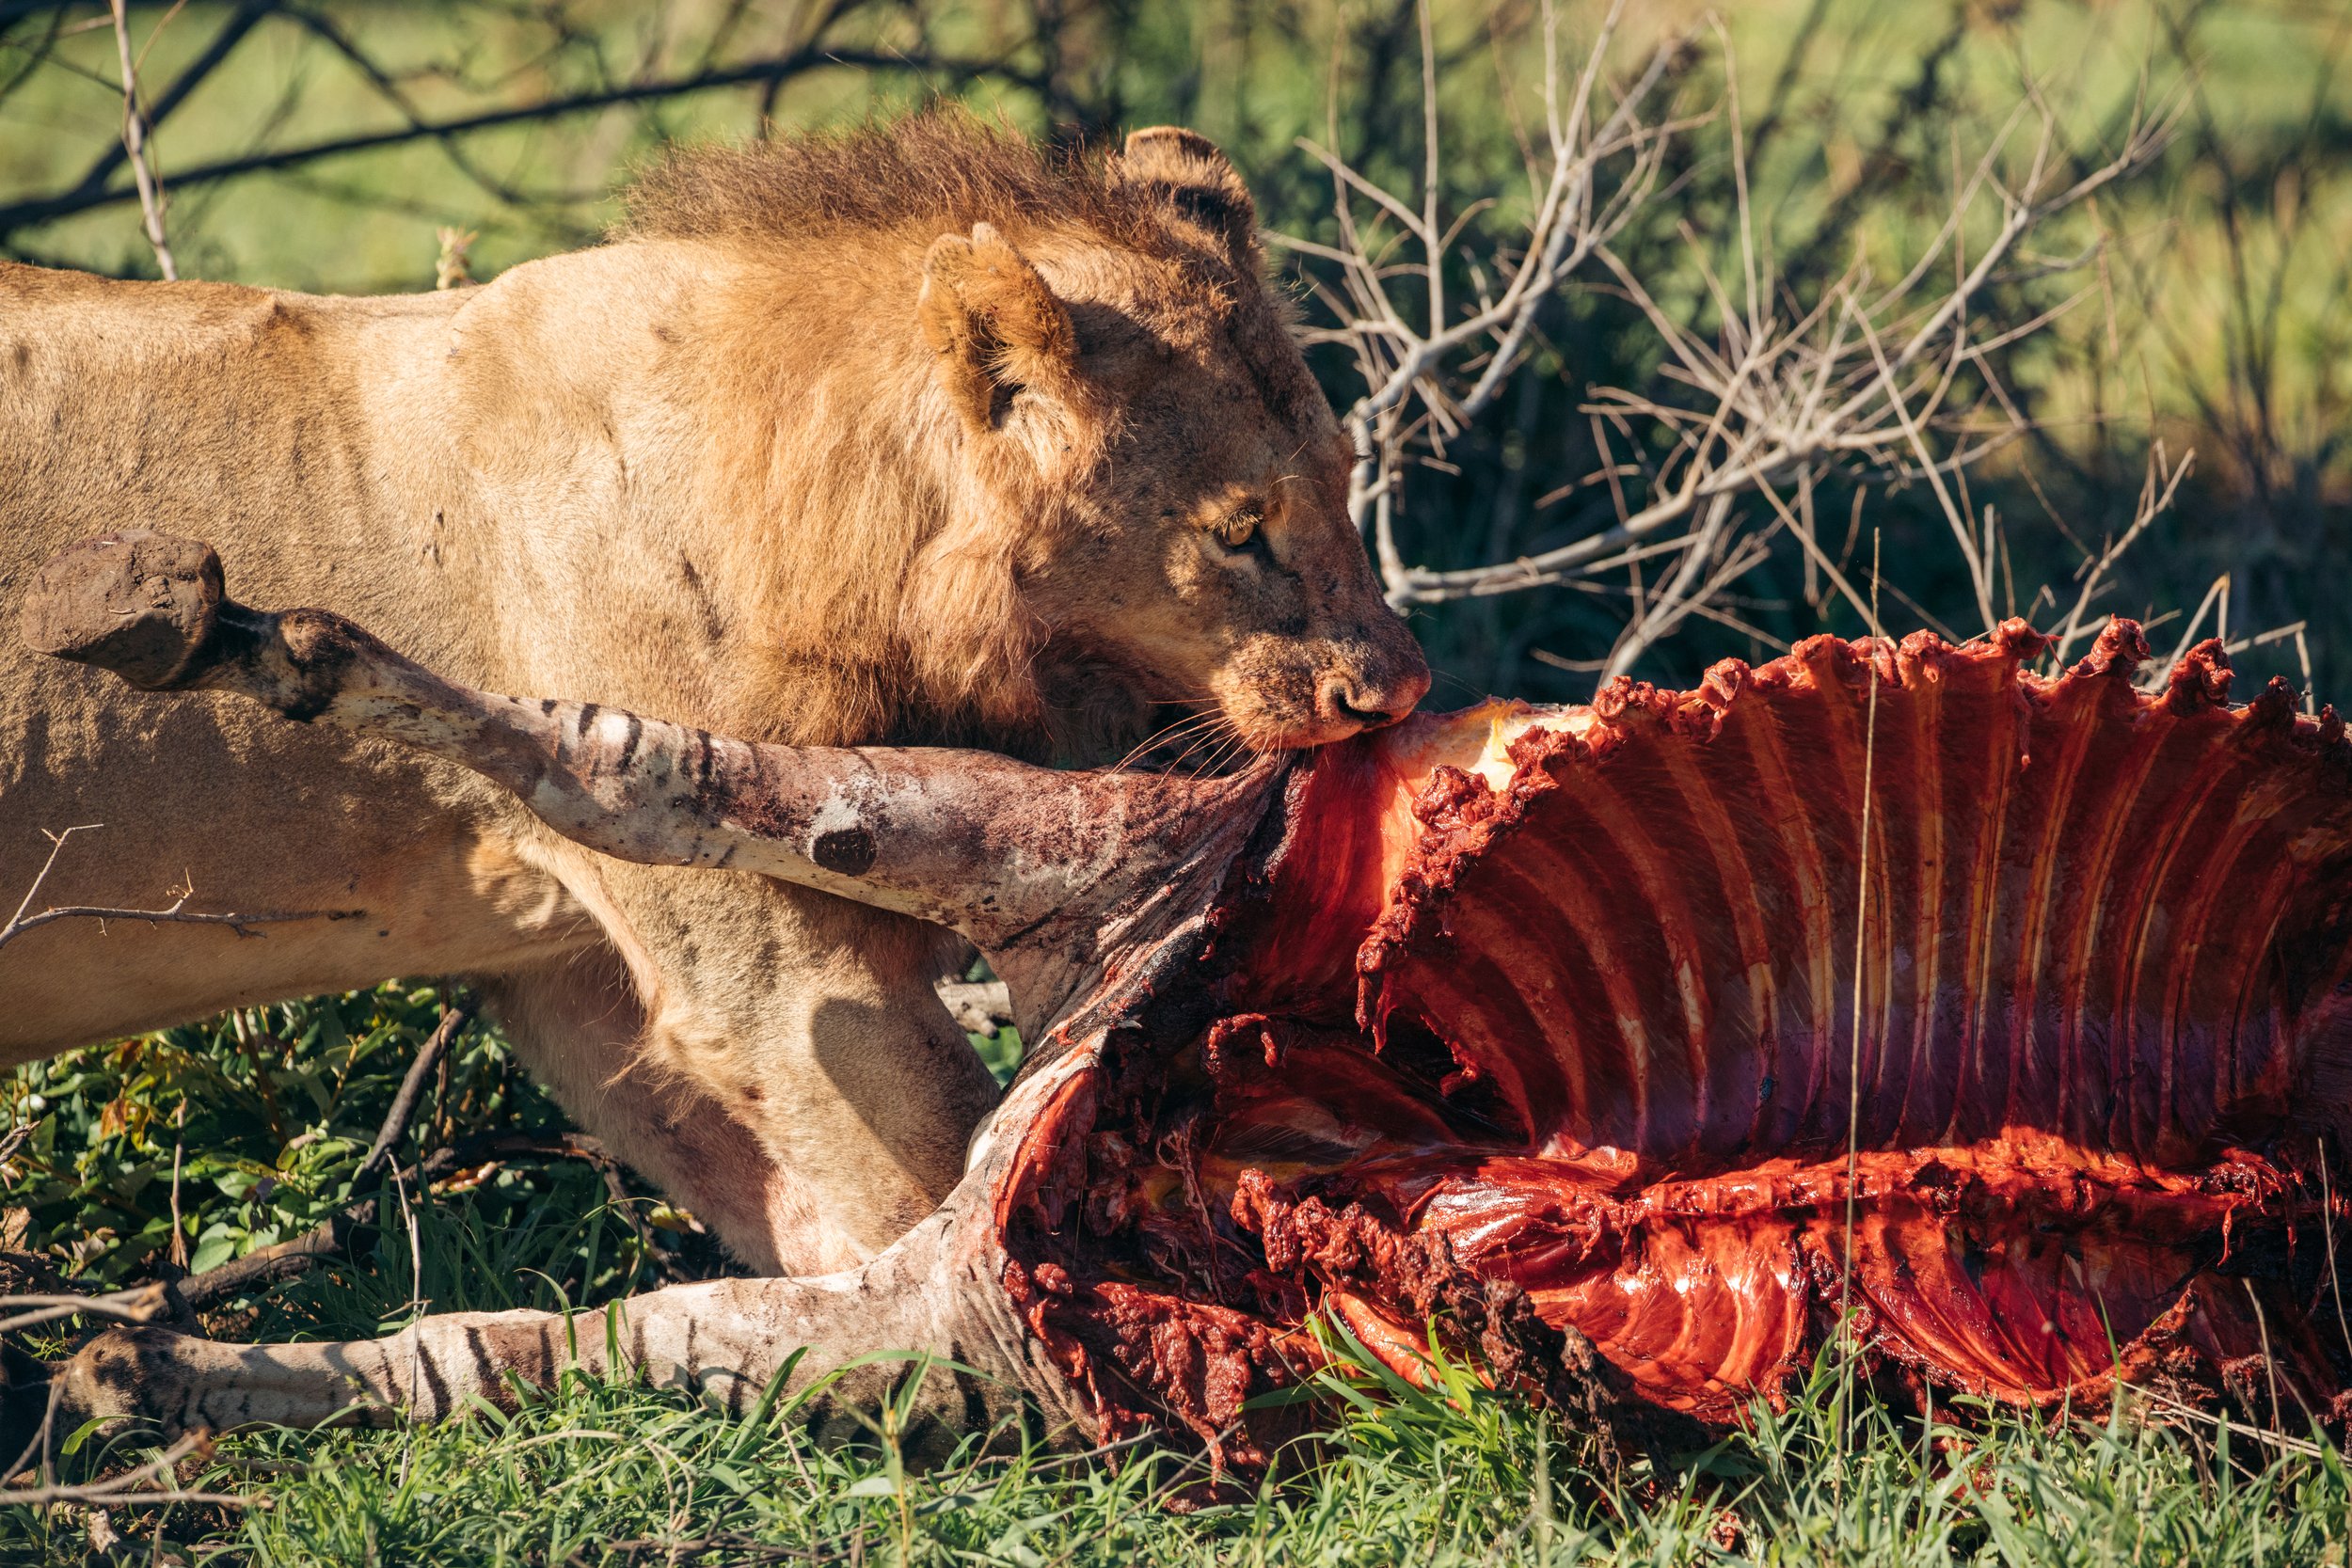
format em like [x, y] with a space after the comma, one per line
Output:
[1166, 735]
[1223, 747]
[1235, 747]
[1213, 738]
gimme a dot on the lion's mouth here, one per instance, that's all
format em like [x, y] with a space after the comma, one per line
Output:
[1266, 737]
[1550, 1026]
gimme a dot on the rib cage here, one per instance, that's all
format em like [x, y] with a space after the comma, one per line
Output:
[2114, 919]
[1562, 1003]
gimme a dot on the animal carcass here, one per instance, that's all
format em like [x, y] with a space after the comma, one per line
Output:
[1631, 1046]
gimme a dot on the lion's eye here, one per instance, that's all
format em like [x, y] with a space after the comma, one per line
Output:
[1237, 530]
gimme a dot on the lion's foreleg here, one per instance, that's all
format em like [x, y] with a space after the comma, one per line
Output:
[810, 1023]
[579, 1027]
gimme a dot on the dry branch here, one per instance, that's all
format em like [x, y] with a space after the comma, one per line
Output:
[127, 1490]
[760, 57]
[1759, 395]
[412, 1094]
[135, 145]
[143, 1303]
[2155, 498]
[175, 913]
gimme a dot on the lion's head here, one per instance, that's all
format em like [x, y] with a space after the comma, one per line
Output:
[1132, 494]
[1155, 417]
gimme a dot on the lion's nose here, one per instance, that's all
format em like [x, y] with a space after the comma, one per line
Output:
[1347, 698]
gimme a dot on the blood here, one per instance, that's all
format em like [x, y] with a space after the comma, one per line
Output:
[1547, 1032]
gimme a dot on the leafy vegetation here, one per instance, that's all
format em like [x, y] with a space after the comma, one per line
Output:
[250, 1128]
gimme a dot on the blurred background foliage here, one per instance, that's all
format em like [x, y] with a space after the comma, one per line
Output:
[318, 145]
[321, 145]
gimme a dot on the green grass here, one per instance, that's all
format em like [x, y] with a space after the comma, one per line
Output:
[603, 1474]
[281, 1101]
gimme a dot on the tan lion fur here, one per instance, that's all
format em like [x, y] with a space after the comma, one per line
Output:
[911, 433]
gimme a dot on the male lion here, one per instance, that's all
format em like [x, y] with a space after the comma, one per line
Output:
[909, 433]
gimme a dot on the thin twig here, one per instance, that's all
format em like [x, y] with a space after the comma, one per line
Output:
[177, 913]
[403, 1107]
[1861, 951]
[123, 1491]
[177, 1253]
[134, 144]
[2153, 502]
[141, 1305]
[2185, 1411]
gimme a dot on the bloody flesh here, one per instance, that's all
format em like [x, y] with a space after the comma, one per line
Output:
[1542, 1024]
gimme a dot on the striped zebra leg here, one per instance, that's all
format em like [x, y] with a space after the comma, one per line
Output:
[844, 1343]
[998, 849]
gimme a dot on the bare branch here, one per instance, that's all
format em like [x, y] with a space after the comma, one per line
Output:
[403, 1107]
[2153, 502]
[132, 1489]
[134, 129]
[760, 71]
[175, 913]
[143, 1305]
[1872, 383]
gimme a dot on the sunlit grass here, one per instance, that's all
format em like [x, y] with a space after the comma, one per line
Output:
[595, 1473]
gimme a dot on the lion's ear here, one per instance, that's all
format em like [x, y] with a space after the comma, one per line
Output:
[996, 328]
[1186, 169]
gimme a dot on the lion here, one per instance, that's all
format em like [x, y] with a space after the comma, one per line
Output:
[909, 433]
